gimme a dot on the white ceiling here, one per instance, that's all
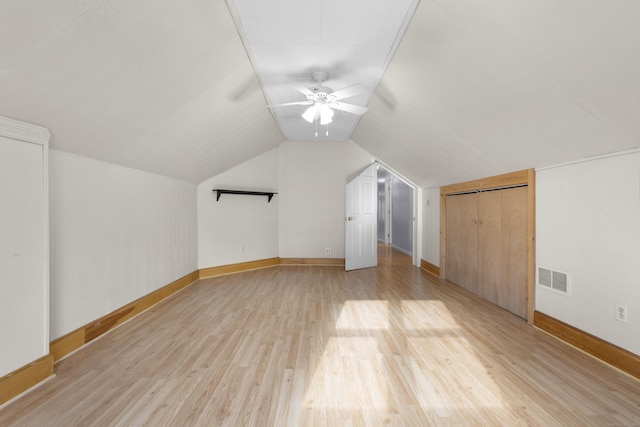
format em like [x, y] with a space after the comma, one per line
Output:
[351, 40]
[482, 88]
[156, 85]
[474, 89]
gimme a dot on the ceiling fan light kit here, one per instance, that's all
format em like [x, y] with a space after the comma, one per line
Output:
[320, 111]
[310, 114]
[322, 100]
[326, 114]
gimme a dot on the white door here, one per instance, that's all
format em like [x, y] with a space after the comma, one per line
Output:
[24, 305]
[361, 220]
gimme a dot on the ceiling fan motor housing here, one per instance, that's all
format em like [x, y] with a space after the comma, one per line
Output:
[319, 90]
[321, 93]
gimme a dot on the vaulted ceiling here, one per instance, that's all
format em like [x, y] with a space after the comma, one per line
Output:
[348, 43]
[474, 88]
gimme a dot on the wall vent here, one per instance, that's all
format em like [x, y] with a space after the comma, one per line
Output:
[554, 280]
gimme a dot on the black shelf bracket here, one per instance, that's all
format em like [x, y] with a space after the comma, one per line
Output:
[220, 192]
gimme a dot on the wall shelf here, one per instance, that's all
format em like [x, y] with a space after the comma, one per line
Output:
[220, 192]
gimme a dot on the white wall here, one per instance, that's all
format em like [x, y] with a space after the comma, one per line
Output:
[237, 220]
[588, 225]
[116, 234]
[313, 176]
[431, 225]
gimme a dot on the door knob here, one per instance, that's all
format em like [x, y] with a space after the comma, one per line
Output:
[349, 218]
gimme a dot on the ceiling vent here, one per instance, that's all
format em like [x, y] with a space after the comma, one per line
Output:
[554, 280]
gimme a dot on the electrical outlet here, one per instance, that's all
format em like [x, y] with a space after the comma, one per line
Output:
[242, 248]
[621, 313]
[327, 251]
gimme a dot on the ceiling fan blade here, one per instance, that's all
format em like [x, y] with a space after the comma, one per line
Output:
[290, 103]
[356, 89]
[302, 89]
[349, 108]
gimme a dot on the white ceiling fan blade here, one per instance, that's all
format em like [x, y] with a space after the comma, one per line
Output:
[349, 108]
[302, 89]
[291, 103]
[356, 89]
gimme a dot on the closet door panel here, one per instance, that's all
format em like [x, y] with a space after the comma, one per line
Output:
[470, 228]
[454, 239]
[513, 295]
[462, 241]
[490, 242]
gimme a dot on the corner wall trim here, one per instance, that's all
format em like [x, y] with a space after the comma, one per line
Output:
[21, 380]
[313, 261]
[603, 350]
[72, 341]
[236, 268]
[24, 131]
[430, 268]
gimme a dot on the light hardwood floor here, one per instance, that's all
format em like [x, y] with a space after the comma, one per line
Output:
[315, 346]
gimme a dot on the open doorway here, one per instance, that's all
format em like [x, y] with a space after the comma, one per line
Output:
[395, 212]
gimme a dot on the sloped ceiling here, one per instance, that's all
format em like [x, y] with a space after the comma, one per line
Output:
[476, 88]
[481, 88]
[353, 41]
[157, 85]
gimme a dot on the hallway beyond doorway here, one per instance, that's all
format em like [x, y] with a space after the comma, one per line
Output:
[396, 214]
[388, 255]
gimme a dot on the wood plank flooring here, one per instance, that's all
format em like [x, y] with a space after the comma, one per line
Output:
[316, 346]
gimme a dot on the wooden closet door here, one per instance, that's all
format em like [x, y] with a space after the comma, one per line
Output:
[502, 248]
[461, 244]
[513, 292]
[490, 245]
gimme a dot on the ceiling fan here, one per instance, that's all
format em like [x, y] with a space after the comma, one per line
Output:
[322, 100]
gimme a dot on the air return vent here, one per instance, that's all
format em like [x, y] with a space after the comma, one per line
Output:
[554, 280]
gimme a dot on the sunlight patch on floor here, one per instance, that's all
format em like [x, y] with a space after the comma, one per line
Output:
[351, 371]
[350, 374]
[361, 365]
[364, 315]
[437, 349]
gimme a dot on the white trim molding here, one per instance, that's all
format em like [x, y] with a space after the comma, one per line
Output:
[22, 131]
[590, 159]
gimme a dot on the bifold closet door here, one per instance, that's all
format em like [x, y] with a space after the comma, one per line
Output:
[486, 245]
[461, 244]
[513, 294]
[502, 248]
[490, 244]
